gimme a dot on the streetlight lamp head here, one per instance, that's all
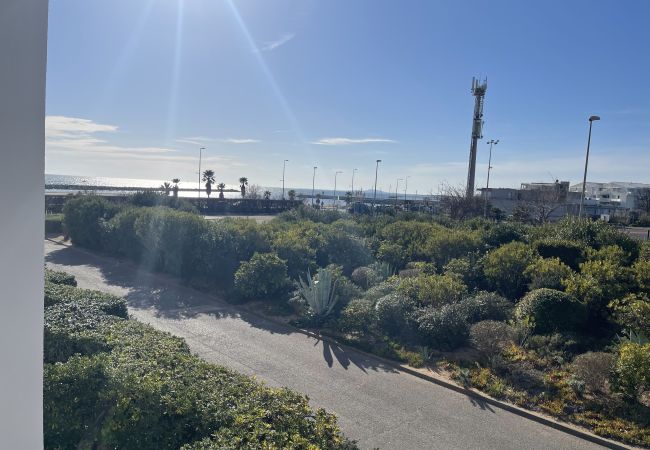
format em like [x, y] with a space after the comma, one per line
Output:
[379, 160]
[592, 118]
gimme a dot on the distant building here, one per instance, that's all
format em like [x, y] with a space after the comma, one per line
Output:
[615, 194]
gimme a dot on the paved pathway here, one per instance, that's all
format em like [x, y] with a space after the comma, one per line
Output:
[376, 405]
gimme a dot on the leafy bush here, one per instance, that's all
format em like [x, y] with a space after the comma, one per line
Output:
[151, 198]
[345, 289]
[632, 370]
[358, 316]
[551, 310]
[444, 245]
[486, 306]
[344, 250]
[384, 288]
[63, 293]
[505, 267]
[632, 313]
[641, 273]
[490, 338]
[444, 328]
[547, 273]
[55, 277]
[433, 290]
[570, 253]
[297, 251]
[84, 216]
[644, 251]
[54, 223]
[394, 314]
[504, 233]
[265, 275]
[468, 269]
[594, 369]
[365, 277]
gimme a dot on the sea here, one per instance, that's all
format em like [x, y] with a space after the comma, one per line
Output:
[66, 184]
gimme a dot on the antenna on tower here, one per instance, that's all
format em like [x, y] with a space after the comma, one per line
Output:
[478, 91]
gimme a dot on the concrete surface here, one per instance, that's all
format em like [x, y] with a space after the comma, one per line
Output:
[377, 405]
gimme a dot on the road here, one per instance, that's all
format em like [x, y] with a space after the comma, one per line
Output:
[377, 405]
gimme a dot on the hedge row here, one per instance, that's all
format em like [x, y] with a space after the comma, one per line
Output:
[111, 382]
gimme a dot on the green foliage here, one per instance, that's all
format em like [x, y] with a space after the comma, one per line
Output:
[547, 273]
[632, 312]
[54, 224]
[612, 253]
[641, 273]
[444, 245]
[486, 306]
[444, 328]
[344, 250]
[84, 216]
[55, 277]
[551, 310]
[644, 251]
[433, 290]
[358, 316]
[505, 268]
[152, 198]
[571, 253]
[265, 275]
[384, 288]
[403, 241]
[503, 233]
[468, 269]
[320, 294]
[297, 249]
[632, 370]
[66, 293]
[394, 314]
[490, 338]
[594, 369]
[365, 277]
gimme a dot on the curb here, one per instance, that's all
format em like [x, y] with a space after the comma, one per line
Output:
[573, 430]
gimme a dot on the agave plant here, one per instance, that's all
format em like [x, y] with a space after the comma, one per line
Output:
[319, 294]
[383, 269]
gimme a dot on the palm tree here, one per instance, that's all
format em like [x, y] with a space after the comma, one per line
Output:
[292, 195]
[243, 182]
[267, 195]
[166, 187]
[221, 187]
[175, 189]
[208, 177]
[348, 197]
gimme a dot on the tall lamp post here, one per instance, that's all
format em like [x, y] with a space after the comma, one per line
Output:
[487, 185]
[374, 197]
[335, 175]
[406, 187]
[353, 171]
[584, 179]
[396, 187]
[284, 166]
[313, 181]
[200, 156]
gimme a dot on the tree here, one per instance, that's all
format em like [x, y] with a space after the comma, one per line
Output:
[458, 205]
[175, 189]
[643, 200]
[292, 195]
[243, 182]
[348, 197]
[265, 275]
[166, 187]
[267, 195]
[208, 177]
[221, 187]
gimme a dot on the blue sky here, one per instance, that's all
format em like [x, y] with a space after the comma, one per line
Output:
[136, 87]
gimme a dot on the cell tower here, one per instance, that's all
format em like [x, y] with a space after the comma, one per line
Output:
[478, 91]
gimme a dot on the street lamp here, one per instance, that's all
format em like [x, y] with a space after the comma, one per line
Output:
[353, 171]
[396, 187]
[487, 185]
[284, 166]
[200, 155]
[335, 175]
[584, 179]
[374, 197]
[313, 180]
[406, 187]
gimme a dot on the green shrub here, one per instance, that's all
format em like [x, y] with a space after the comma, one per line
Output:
[468, 269]
[490, 338]
[297, 251]
[358, 316]
[384, 288]
[54, 224]
[505, 268]
[444, 245]
[394, 314]
[644, 251]
[84, 217]
[641, 273]
[594, 369]
[55, 277]
[392, 254]
[547, 273]
[265, 275]
[504, 233]
[444, 328]
[433, 290]
[632, 370]
[107, 303]
[551, 310]
[570, 253]
[486, 306]
[342, 249]
[119, 234]
[632, 313]
[365, 277]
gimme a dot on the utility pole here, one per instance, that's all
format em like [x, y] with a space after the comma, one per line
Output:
[478, 91]
[374, 197]
[396, 187]
[584, 179]
[313, 180]
[353, 171]
[200, 155]
[487, 185]
[284, 166]
[406, 187]
[335, 175]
